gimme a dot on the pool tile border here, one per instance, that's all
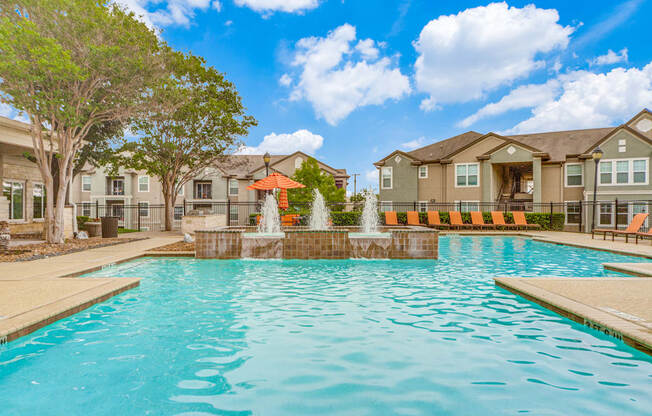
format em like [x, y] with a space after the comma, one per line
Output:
[634, 335]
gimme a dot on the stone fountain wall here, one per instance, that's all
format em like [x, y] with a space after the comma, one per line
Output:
[403, 243]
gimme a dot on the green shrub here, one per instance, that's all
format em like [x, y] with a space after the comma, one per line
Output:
[81, 220]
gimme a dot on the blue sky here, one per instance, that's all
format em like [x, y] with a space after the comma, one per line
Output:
[352, 80]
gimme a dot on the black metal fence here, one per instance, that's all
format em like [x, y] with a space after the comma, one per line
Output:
[577, 215]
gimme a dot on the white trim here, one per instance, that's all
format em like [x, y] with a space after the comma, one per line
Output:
[90, 183]
[143, 176]
[42, 217]
[90, 208]
[422, 204]
[578, 204]
[467, 174]
[139, 207]
[391, 177]
[419, 171]
[599, 213]
[10, 199]
[630, 172]
[581, 165]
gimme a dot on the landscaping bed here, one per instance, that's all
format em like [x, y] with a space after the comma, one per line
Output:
[44, 250]
[180, 246]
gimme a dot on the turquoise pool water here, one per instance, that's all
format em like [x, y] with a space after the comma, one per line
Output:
[204, 337]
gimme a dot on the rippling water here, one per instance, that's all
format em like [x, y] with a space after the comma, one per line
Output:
[352, 337]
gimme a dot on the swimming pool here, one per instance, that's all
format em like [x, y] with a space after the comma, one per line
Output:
[351, 337]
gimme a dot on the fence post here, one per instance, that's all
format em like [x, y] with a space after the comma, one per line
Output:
[460, 206]
[228, 212]
[581, 216]
[414, 205]
[616, 209]
[138, 209]
[97, 208]
[551, 209]
[184, 207]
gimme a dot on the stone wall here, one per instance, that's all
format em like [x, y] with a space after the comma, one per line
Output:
[191, 223]
[310, 244]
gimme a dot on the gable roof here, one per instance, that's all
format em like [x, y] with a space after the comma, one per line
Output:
[609, 135]
[558, 144]
[442, 149]
[241, 166]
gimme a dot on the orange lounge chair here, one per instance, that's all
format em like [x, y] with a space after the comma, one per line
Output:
[434, 220]
[478, 222]
[640, 235]
[456, 220]
[390, 218]
[413, 218]
[288, 220]
[499, 220]
[520, 221]
[632, 229]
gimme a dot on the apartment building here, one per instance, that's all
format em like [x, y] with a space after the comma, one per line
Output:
[529, 169]
[97, 193]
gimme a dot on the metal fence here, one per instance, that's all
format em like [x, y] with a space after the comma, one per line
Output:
[577, 215]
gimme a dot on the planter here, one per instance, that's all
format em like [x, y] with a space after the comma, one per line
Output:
[94, 229]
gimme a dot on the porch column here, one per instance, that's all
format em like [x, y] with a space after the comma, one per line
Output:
[485, 179]
[536, 177]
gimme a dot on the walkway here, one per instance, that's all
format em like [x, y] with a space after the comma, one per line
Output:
[33, 295]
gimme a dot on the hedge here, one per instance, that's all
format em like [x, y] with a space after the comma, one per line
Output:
[353, 218]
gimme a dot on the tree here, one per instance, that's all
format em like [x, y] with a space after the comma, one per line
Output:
[313, 177]
[195, 117]
[70, 65]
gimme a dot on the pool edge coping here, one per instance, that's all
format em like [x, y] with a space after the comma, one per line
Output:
[581, 313]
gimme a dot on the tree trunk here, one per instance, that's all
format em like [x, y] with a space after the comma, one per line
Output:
[169, 196]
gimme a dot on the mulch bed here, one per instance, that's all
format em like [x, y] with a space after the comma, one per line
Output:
[180, 246]
[44, 250]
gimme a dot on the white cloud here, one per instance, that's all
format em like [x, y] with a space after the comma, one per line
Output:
[10, 112]
[583, 99]
[279, 144]
[610, 58]
[413, 144]
[372, 176]
[285, 80]
[336, 80]
[156, 13]
[463, 56]
[270, 6]
[525, 96]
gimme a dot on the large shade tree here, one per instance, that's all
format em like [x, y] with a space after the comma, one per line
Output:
[194, 119]
[313, 178]
[70, 65]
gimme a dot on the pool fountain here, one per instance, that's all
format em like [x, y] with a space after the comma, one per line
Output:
[319, 240]
[319, 214]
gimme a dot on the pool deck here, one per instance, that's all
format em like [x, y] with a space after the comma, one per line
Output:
[618, 306]
[35, 293]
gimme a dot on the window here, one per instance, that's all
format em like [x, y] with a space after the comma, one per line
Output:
[14, 192]
[385, 206]
[38, 201]
[233, 187]
[574, 175]
[606, 213]
[624, 172]
[466, 175]
[143, 184]
[86, 209]
[178, 213]
[298, 162]
[143, 209]
[117, 187]
[622, 145]
[86, 183]
[423, 172]
[422, 206]
[233, 213]
[467, 206]
[573, 212]
[386, 177]
[203, 190]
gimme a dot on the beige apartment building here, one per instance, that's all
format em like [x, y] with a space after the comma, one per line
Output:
[527, 170]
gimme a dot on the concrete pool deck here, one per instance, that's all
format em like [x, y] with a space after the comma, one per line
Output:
[618, 306]
[35, 293]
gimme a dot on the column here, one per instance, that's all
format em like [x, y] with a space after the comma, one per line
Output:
[485, 180]
[536, 173]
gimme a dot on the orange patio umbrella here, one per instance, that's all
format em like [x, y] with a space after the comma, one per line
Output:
[277, 181]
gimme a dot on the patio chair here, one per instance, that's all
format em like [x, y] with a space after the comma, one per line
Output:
[287, 220]
[520, 221]
[647, 234]
[632, 229]
[478, 222]
[390, 218]
[499, 220]
[434, 221]
[456, 220]
[413, 218]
